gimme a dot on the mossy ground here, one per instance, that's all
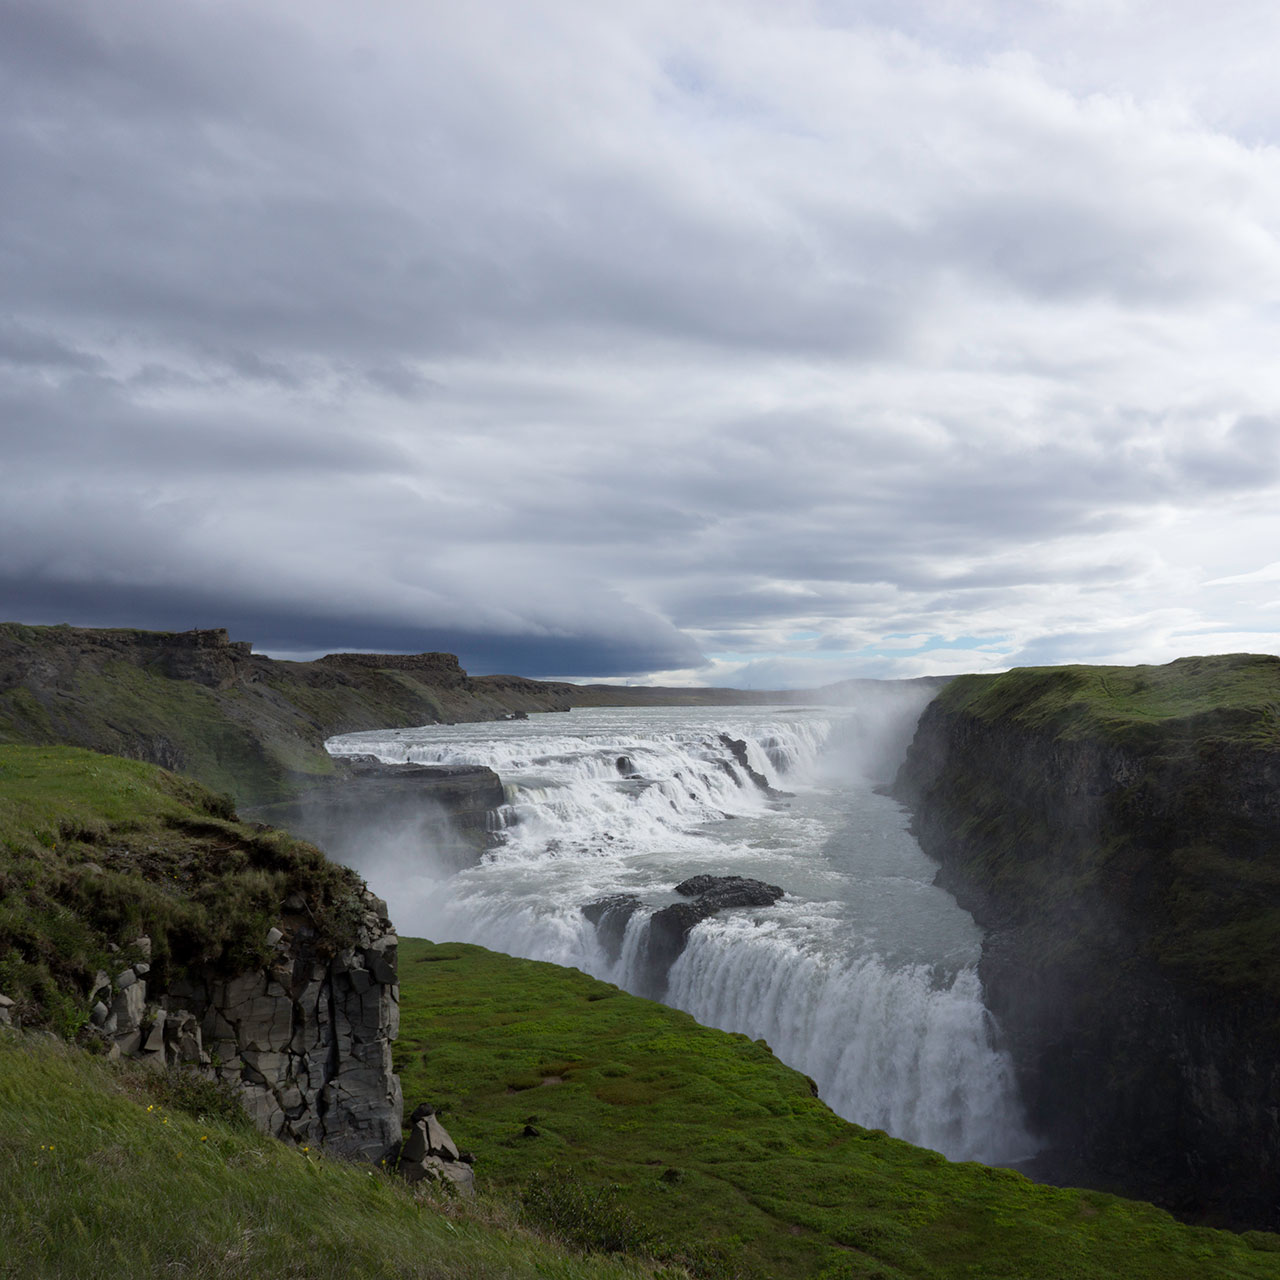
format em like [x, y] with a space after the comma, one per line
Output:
[713, 1139]
[1235, 697]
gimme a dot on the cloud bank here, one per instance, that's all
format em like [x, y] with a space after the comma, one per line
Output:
[769, 343]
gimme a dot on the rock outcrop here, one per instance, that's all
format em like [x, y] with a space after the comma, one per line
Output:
[306, 1040]
[1125, 866]
[669, 927]
[429, 1154]
[610, 915]
[738, 749]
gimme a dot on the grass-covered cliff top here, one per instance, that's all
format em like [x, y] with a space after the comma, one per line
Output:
[96, 850]
[1234, 696]
[540, 1068]
[1181, 836]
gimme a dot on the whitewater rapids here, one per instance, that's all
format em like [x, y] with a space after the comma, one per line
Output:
[863, 976]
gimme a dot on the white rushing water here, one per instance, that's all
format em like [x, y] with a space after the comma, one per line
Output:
[863, 976]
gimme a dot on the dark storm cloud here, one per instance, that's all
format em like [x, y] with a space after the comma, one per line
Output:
[296, 630]
[593, 341]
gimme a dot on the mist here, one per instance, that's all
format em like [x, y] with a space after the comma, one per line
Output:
[872, 741]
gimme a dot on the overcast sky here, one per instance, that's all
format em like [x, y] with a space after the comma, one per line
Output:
[756, 343]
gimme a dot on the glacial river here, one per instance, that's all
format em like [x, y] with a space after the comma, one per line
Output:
[863, 976]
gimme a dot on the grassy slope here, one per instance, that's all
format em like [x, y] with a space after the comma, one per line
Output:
[97, 1182]
[97, 850]
[711, 1135]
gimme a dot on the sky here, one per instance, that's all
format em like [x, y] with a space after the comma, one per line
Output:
[755, 343]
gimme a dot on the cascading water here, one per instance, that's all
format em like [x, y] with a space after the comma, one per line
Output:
[862, 976]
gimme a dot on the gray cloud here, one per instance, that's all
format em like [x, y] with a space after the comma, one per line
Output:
[601, 343]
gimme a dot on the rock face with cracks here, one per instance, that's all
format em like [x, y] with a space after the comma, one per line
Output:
[306, 1040]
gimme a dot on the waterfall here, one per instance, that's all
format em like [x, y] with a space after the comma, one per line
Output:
[892, 1049]
[863, 976]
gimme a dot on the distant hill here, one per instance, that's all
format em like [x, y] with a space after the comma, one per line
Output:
[198, 703]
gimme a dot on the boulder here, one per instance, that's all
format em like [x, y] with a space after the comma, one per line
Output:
[730, 891]
[429, 1153]
[670, 926]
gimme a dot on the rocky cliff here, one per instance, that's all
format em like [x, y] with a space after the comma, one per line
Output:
[304, 1040]
[1117, 831]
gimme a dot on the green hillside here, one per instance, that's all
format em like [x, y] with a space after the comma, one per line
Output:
[198, 703]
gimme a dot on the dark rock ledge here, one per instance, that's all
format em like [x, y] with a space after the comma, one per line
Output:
[738, 749]
[669, 927]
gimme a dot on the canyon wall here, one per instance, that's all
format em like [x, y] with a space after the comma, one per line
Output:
[1117, 832]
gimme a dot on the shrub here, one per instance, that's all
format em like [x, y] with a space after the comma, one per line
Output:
[590, 1217]
[181, 1089]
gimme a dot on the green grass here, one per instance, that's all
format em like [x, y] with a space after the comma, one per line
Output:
[96, 850]
[99, 1181]
[1234, 696]
[711, 1138]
